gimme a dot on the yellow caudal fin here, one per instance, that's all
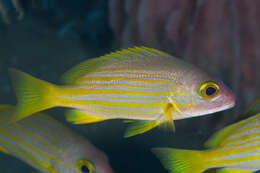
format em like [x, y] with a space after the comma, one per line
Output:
[139, 127]
[233, 170]
[181, 161]
[33, 94]
[81, 117]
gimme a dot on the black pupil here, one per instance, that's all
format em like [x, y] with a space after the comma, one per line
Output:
[210, 91]
[84, 169]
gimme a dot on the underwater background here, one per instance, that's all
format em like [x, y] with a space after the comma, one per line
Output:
[47, 37]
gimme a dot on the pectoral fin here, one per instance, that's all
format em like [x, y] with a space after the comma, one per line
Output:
[82, 117]
[232, 170]
[168, 114]
[139, 127]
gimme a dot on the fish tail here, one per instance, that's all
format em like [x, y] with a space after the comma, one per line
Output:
[181, 161]
[33, 95]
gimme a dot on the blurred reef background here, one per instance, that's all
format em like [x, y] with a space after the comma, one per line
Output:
[47, 37]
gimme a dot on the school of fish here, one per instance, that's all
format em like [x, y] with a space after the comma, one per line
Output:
[143, 86]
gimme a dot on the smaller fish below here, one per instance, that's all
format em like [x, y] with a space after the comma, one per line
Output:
[48, 146]
[234, 149]
[141, 84]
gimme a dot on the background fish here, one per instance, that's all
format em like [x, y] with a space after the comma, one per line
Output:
[235, 149]
[137, 83]
[49, 146]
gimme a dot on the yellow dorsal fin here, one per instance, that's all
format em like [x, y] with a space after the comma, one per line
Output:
[90, 65]
[219, 136]
[233, 170]
[82, 117]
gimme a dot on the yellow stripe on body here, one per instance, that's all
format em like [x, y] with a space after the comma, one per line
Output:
[27, 145]
[127, 85]
[246, 129]
[222, 152]
[242, 143]
[132, 74]
[20, 140]
[67, 101]
[118, 79]
[243, 135]
[24, 154]
[42, 130]
[124, 68]
[31, 136]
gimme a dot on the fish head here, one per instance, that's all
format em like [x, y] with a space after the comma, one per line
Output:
[83, 157]
[208, 95]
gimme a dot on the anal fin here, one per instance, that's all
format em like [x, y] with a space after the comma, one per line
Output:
[139, 127]
[233, 170]
[82, 117]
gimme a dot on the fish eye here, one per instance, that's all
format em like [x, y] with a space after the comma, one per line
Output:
[208, 90]
[84, 169]
[85, 166]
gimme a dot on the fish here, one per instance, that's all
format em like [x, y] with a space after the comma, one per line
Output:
[49, 146]
[141, 84]
[234, 149]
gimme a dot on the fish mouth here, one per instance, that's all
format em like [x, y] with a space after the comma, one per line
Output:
[212, 111]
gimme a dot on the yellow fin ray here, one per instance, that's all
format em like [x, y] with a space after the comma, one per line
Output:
[233, 170]
[171, 107]
[33, 94]
[181, 161]
[81, 117]
[139, 127]
[168, 114]
[90, 65]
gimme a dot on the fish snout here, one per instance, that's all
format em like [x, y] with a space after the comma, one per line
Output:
[227, 97]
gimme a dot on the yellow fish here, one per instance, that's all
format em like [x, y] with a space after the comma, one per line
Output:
[234, 149]
[138, 83]
[49, 146]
